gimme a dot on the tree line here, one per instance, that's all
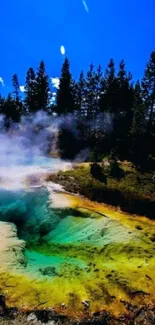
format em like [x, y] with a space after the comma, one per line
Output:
[109, 113]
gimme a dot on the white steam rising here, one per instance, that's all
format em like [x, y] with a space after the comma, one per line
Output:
[24, 148]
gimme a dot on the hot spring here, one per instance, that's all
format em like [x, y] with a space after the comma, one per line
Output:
[62, 251]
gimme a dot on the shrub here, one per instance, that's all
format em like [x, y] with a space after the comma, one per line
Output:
[95, 156]
[96, 172]
[115, 170]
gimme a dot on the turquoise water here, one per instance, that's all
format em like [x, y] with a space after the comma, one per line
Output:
[50, 266]
[40, 225]
[56, 239]
[29, 211]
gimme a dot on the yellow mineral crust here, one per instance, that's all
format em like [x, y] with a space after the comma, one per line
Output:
[117, 250]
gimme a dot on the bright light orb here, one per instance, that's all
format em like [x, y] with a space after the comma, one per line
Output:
[62, 50]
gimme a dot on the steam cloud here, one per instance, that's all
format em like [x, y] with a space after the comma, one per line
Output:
[24, 148]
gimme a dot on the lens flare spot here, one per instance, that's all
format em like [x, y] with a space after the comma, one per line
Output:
[62, 50]
[85, 6]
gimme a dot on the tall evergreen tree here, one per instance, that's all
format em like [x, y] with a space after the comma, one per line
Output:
[98, 83]
[122, 75]
[138, 121]
[98, 87]
[139, 142]
[108, 99]
[65, 100]
[30, 92]
[110, 73]
[42, 88]
[81, 95]
[11, 110]
[1, 104]
[81, 111]
[125, 98]
[8, 106]
[17, 105]
[148, 84]
[93, 91]
[15, 83]
[124, 111]
[91, 96]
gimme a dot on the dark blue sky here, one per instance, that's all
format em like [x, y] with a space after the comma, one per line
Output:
[32, 30]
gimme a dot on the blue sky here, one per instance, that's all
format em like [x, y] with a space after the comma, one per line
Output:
[93, 31]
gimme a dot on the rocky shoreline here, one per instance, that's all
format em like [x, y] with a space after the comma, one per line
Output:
[134, 316]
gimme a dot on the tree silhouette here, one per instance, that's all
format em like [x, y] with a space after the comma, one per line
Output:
[65, 100]
[30, 92]
[15, 83]
[148, 84]
[42, 88]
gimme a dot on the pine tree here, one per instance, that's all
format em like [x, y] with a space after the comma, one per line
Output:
[98, 83]
[65, 100]
[124, 98]
[109, 89]
[8, 106]
[93, 90]
[1, 104]
[17, 105]
[91, 105]
[138, 121]
[148, 84]
[11, 111]
[81, 95]
[139, 144]
[42, 88]
[122, 73]
[98, 87]
[124, 111]
[91, 96]
[15, 83]
[30, 92]
[110, 73]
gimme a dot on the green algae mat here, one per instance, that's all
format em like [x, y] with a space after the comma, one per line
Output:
[64, 252]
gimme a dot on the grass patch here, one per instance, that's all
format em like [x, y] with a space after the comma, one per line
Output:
[133, 192]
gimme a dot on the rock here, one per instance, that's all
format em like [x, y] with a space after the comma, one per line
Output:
[146, 316]
[49, 271]
[63, 306]
[139, 227]
[31, 317]
[71, 178]
[52, 322]
[46, 315]
[11, 248]
[86, 303]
